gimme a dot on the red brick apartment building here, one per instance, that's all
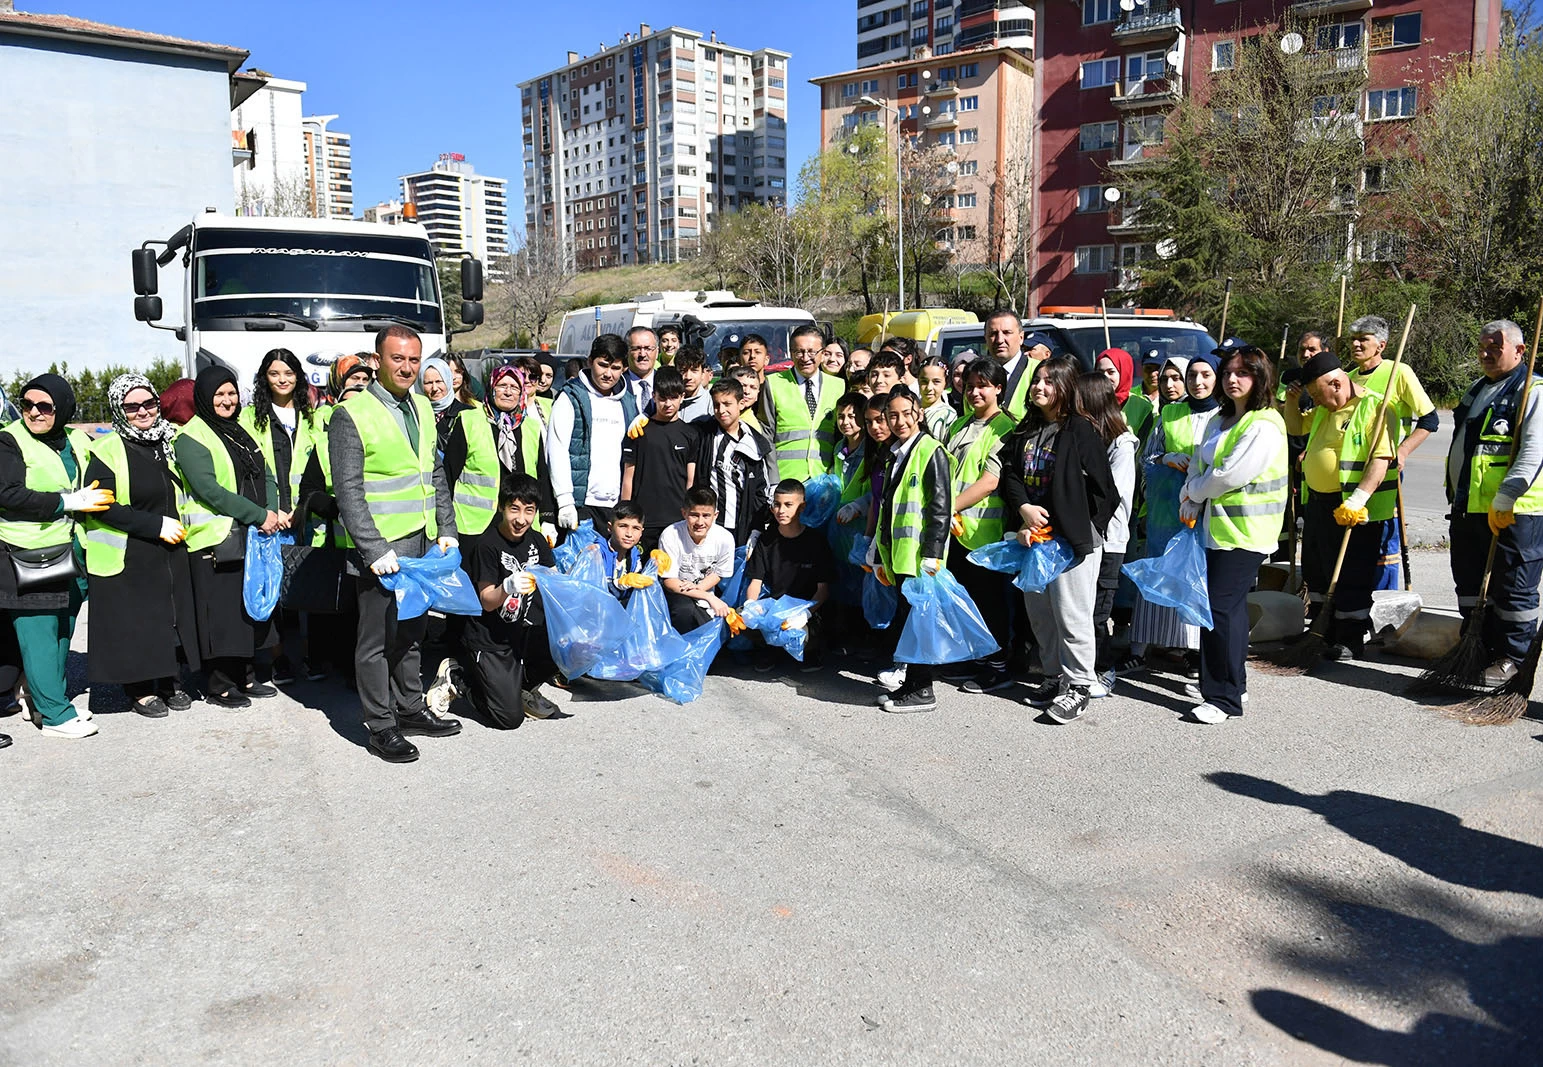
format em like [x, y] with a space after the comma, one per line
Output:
[1106, 78]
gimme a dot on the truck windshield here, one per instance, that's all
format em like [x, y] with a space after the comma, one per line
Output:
[335, 280]
[1086, 341]
[731, 334]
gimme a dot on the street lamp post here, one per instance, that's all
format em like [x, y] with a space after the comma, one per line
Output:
[870, 101]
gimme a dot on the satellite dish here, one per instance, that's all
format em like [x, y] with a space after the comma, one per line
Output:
[1292, 43]
[926, 109]
[1167, 248]
[1112, 195]
[1174, 58]
[1127, 5]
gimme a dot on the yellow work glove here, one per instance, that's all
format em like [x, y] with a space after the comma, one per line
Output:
[1346, 515]
[1041, 535]
[957, 526]
[883, 576]
[639, 424]
[520, 583]
[634, 580]
[172, 531]
[736, 624]
[1189, 511]
[1499, 520]
[661, 559]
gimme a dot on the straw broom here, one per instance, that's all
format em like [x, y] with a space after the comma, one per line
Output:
[1302, 655]
[1509, 702]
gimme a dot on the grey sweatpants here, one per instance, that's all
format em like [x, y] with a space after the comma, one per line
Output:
[1062, 620]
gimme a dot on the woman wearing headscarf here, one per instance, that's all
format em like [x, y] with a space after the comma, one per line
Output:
[142, 609]
[42, 577]
[229, 488]
[490, 442]
[434, 380]
[1166, 456]
[1119, 368]
[1116, 365]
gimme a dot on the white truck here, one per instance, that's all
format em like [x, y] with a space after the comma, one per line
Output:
[318, 287]
[712, 318]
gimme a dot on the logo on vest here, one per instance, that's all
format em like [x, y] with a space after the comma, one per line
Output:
[1502, 426]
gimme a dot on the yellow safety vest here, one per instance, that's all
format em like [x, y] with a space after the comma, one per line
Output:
[45, 474]
[398, 484]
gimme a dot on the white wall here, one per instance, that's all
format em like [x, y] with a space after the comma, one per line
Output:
[274, 113]
[103, 148]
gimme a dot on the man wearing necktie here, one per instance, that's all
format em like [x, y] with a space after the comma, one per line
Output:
[642, 357]
[798, 409]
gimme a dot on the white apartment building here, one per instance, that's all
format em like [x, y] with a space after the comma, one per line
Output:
[890, 31]
[630, 152]
[329, 168]
[463, 211]
[275, 183]
[387, 211]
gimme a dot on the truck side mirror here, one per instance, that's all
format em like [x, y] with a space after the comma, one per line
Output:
[147, 308]
[144, 272]
[471, 312]
[471, 280]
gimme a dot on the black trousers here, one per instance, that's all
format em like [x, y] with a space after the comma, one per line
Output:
[387, 658]
[1103, 606]
[497, 680]
[685, 614]
[1230, 574]
[988, 589]
[917, 675]
[1511, 613]
[1321, 537]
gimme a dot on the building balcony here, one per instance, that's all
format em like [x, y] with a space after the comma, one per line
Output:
[1124, 279]
[1133, 154]
[1312, 9]
[1139, 27]
[941, 120]
[1147, 92]
[1130, 221]
[940, 90]
[1331, 64]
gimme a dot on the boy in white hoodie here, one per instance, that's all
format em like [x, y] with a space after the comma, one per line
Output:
[589, 423]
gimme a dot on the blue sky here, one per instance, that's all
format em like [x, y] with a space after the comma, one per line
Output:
[414, 80]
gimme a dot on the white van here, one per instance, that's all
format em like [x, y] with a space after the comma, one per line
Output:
[712, 318]
[1079, 332]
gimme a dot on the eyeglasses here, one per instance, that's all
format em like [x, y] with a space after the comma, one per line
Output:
[42, 407]
[148, 405]
[641, 348]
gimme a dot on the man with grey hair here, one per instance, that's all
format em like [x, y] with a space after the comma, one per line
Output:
[1496, 499]
[642, 360]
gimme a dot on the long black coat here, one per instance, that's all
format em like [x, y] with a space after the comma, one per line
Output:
[140, 616]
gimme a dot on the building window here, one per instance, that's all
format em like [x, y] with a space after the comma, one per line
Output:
[870, 87]
[919, 35]
[1097, 73]
[969, 70]
[946, 138]
[1095, 259]
[965, 200]
[943, 48]
[1224, 55]
[1381, 247]
[966, 233]
[1091, 198]
[970, 136]
[969, 166]
[1396, 31]
[1339, 35]
[1096, 11]
[944, 25]
[1391, 103]
[1097, 136]
[969, 103]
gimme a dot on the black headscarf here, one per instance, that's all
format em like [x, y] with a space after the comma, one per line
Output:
[63, 396]
[244, 452]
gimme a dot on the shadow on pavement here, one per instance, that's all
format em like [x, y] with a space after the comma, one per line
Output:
[1409, 958]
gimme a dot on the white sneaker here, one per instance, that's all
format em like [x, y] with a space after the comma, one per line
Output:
[893, 678]
[1103, 686]
[1209, 714]
[74, 729]
[442, 693]
[1192, 691]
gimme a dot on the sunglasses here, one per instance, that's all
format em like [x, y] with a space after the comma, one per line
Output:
[135, 409]
[42, 407]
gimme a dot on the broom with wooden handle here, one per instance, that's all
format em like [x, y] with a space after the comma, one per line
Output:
[1300, 656]
[1509, 702]
[1226, 307]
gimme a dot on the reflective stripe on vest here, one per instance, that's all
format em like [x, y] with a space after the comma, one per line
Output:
[1251, 516]
[476, 490]
[398, 485]
[803, 446]
[207, 527]
[45, 474]
[1354, 450]
[900, 547]
[1492, 460]
[983, 523]
[106, 547]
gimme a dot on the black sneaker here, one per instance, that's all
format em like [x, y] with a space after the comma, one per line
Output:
[1044, 694]
[1192, 665]
[260, 691]
[231, 699]
[283, 673]
[911, 700]
[989, 680]
[177, 700]
[811, 664]
[1069, 706]
[960, 672]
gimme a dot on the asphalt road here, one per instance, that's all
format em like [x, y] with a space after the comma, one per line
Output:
[1425, 500]
[781, 874]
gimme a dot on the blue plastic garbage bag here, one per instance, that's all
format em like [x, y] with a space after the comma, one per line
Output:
[1164, 487]
[651, 642]
[264, 573]
[433, 581]
[681, 681]
[822, 495]
[583, 621]
[944, 625]
[767, 615]
[567, 553]
[880, 602]
[859, 554]
[1034, 566]
[1177, 578]
[733, 590]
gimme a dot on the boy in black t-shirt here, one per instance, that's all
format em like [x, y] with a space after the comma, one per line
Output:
[507, 642]
[659, 463]
[792, 560]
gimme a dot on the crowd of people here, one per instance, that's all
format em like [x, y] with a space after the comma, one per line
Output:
[683, 471]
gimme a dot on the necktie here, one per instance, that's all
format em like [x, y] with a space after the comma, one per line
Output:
[809, 395]
[410, 420]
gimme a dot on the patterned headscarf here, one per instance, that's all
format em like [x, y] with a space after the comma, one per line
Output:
[506, 424]
[342, 369]
[158, 435]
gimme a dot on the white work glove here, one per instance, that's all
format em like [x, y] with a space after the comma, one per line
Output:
[447, 543]
[931, 566]
[387, 564]
[1179, 461]
[172, 531]
[639, 424]
[850, 512]
[1357, 500]
[1189, 512]
[796, 622]
[88, 499]
[568, 517]
[520, 583]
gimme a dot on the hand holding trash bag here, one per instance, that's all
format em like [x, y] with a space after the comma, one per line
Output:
[1177, 578]
[783, 622]
[944, 625]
